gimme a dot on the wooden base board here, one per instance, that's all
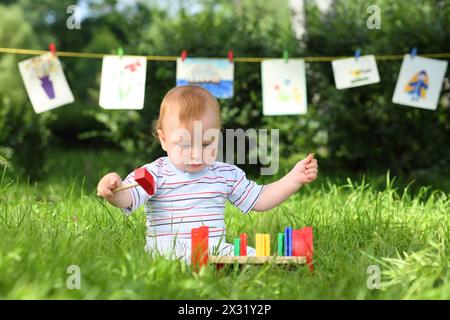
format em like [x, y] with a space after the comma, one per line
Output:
[256, 260]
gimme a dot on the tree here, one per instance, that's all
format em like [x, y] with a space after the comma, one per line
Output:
[23, 134]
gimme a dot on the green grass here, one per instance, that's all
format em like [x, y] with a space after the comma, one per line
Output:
[59, 222]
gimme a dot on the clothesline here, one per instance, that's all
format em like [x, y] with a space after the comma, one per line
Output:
[235, 59]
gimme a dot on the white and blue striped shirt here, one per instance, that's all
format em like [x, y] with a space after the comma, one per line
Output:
[184, 200]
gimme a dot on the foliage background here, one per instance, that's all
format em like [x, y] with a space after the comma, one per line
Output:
[355, 131]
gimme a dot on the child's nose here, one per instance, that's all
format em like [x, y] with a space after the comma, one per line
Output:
[196, 153]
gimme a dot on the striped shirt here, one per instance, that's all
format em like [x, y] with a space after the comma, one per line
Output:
[183, 200]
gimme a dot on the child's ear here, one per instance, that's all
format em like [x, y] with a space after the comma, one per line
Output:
[162, 139]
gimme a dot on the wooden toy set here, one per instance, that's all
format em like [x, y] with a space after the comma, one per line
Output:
[293, 247]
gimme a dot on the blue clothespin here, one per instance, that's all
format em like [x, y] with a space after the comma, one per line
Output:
[357, 54]
[413, 52]
[120, 52]
[285, 56]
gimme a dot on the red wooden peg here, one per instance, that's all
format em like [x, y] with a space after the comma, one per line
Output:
[243, 244]
[304, 245]
[195, 240]
[204, 236]
[199, 247]
[296, 242]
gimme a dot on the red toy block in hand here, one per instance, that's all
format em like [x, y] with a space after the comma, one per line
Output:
[143, 179]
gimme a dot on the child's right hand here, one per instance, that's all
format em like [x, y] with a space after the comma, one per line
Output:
[107, 184]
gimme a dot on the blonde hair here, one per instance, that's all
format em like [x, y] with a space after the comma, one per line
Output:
[191, 101]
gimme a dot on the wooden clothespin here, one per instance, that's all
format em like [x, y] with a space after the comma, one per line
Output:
[120, 52]
[183, 55]
[357, 54]
[286, 56]
[52, 48]
[230, 55]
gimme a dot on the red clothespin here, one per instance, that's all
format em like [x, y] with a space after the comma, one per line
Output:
[183, 55]
[230, 55]
[52, 48]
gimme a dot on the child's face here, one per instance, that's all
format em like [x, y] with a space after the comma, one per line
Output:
[191, 146]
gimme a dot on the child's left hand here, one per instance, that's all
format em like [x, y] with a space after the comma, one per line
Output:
[305, 171]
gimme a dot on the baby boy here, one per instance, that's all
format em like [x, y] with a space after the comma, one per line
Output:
[190, 186]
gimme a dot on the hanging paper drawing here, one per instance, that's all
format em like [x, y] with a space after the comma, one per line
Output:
[419, 82]
[45, 82]
[123, 82]
[417, 86]
[283, 87]
[351, 72]
[215, 75]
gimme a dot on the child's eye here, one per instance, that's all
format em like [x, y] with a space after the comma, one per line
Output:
[187, 146]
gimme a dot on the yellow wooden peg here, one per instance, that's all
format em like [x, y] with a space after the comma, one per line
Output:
[267, 245]
[259, 244]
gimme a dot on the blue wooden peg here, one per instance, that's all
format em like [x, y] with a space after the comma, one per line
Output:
[288, 241]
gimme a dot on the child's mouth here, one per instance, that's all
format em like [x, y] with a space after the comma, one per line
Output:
[195, 166]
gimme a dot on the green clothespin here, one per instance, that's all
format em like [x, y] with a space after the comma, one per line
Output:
[120, 52]
[285, 56]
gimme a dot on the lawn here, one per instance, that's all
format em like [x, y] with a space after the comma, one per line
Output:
[58, 222]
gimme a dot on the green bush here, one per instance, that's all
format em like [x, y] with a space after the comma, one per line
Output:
[357, 129]
[23, 134]
[366, 131]
[253, 28]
